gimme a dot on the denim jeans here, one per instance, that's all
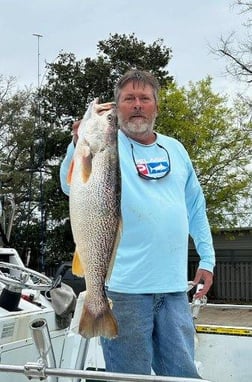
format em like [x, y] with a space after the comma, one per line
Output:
[156, 332]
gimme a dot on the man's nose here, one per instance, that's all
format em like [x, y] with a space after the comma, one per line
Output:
[137, 103]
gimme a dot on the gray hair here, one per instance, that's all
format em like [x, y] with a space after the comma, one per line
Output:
[137, 76]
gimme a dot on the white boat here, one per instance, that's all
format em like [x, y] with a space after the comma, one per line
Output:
[32, 343]
[40, 343]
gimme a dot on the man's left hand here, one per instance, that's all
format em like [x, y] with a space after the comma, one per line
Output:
[207, 278]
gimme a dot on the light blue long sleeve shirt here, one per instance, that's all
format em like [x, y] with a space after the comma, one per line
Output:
[157, 218]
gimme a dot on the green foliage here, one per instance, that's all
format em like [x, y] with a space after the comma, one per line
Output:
[126, 52]
[218, 140]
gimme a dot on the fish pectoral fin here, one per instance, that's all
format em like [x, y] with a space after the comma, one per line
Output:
[86, 164]
[77, 267]
[70, 172]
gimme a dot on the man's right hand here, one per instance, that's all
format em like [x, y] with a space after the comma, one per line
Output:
[75, 127]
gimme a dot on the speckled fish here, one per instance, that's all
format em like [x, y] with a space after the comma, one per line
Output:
[94, 198]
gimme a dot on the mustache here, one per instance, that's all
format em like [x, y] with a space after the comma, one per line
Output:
[137, 114]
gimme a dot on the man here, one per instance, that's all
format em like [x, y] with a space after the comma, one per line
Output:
[161, 203]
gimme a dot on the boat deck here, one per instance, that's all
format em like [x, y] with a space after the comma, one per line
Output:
[226, 315]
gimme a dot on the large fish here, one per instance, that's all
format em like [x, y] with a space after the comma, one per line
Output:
[94, 198]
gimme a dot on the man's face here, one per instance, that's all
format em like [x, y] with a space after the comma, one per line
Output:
[136, 109]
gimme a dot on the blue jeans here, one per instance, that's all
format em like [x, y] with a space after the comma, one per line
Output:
[156, 332]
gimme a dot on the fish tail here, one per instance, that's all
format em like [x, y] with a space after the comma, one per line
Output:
[103, 324]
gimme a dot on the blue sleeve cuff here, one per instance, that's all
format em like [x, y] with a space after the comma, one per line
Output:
[64, 168]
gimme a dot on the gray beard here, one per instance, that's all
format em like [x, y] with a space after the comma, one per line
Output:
[136, 128]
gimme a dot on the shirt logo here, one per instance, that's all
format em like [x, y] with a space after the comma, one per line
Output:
[152, 168]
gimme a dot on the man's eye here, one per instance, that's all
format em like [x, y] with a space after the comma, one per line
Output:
[143, 99]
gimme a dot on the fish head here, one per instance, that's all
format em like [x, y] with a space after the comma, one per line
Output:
[100, 129]
[97, 134]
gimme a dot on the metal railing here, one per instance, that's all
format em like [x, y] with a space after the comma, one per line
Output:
[38, 371]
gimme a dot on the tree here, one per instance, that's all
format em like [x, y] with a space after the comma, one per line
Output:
[33, 139]
[72, 84]
[29, 168]
[37, 136]
[238, 53]
[218, 140]
[18, 155]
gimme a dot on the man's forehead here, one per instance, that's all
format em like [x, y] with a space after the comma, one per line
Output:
[137, 85]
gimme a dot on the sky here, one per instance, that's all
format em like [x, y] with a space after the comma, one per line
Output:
[188, 27]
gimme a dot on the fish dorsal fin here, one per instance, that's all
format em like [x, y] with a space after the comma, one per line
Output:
[116, 243]
[77, 267]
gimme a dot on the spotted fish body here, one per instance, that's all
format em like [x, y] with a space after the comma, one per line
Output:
[95, 215]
